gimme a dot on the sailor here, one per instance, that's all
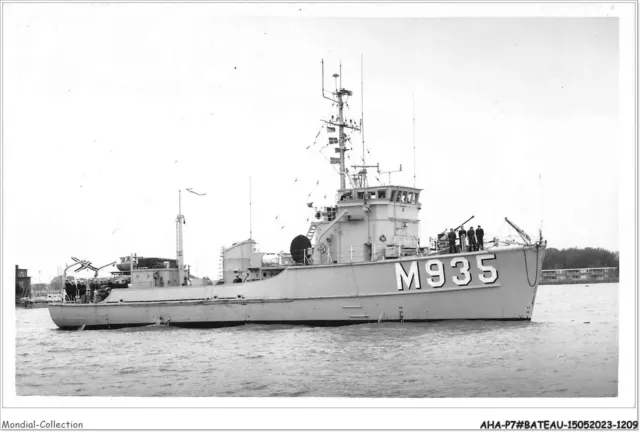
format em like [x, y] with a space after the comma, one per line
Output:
[452, 241]
[463, 239]
[480, 235]
[68, 288]
[82, 292]
[237, 279]
[471, 235]
[92, 289]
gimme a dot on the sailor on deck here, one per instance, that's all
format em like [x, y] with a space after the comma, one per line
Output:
[471, 235]
[452, 241]
[480, 235]
[463, 239]
[237, 279]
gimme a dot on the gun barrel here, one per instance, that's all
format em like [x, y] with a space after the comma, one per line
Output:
[463, 223]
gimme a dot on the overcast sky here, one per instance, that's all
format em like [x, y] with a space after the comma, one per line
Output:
[110, 109]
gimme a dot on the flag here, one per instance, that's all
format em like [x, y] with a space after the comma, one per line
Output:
[331, 129]
[334, 160]
[333, 140]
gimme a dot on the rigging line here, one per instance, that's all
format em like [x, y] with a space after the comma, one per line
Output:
[362, 106]
[317, 135]
[338, 172]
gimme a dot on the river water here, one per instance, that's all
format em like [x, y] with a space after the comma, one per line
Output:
[569, 349]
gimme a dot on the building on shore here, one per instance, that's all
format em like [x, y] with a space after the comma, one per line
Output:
[23, 283]
[584, 275]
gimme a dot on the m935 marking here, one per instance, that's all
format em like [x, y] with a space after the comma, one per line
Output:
[455, 272]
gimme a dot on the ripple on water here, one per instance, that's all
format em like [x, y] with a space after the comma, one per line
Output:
[438, 359]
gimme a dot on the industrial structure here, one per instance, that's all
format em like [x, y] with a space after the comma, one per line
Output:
[584, 275]
[23, 283]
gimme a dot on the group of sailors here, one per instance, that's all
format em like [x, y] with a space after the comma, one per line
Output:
[79, 292]
[469, 240]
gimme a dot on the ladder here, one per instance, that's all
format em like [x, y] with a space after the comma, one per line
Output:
[312, 231]
[221, 264]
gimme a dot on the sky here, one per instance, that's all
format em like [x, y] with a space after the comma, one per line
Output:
[110, 109]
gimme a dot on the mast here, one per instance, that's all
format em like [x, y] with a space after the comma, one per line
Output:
[250, 220]
[360, 177]
[413, 103]
[179, 251]
[341, 134]
[339, 97]
[363, 173]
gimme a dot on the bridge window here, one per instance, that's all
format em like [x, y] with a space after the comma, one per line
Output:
[382, 194]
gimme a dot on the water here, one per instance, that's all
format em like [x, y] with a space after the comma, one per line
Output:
[570, 349]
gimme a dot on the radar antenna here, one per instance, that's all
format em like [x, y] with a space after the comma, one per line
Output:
[390, 172]
[360, 178]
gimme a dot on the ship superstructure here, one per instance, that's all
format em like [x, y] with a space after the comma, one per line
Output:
[367, 223]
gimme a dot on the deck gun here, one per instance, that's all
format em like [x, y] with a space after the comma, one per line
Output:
[442, 237]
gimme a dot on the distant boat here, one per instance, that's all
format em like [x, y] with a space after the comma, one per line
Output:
[32, 303]
[54, 297]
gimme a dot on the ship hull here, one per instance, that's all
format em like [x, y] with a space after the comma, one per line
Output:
[499, 284]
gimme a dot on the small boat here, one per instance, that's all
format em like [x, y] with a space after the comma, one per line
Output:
[32, 303]
[361, 260]
[54, 297]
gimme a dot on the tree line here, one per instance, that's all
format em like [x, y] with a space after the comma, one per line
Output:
[580, 258]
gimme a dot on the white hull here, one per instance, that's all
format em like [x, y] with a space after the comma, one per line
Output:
[389, 290]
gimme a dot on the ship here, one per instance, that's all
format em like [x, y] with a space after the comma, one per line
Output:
[360, 261]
